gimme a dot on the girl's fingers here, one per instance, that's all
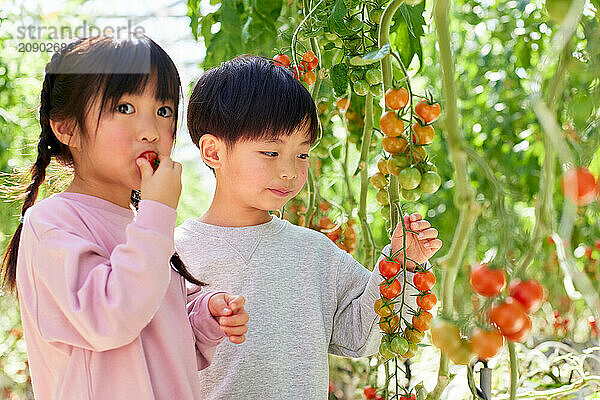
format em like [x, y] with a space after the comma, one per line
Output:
[415, 217]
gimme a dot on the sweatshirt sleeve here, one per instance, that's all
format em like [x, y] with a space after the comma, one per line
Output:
[86, 298]
[206, 329]
[355, 329]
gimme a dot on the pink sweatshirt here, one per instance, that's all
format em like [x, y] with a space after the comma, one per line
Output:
[104, 315]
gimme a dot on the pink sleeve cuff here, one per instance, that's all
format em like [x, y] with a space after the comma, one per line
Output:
[205, 326]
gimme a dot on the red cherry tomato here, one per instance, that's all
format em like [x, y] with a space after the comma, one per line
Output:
[390, 290]
[529, 293]
[427, 301]
[282, 60]
[428, 113]
[487, 281]
[369, 392]
[424, 281]
[522, 334]
[509, 316]
[389, 268]
[579, 186]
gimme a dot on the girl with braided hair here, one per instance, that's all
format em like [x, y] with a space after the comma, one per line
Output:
[100, 303]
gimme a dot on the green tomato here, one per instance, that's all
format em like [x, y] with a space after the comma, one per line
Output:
[430, 182]
[352, 44]
[382, 197]
[361, 87]
[409, 178]
[357, 75]
[397, 163]
[385, 212]
[413, 2]
[399, 345]
[379, 180]
[411, 195]
[385, 350]
[376, 90]
[373, 76]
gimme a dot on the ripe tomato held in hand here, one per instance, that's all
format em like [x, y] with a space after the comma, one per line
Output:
[396, 98]
[529, 293]
[428, 113]
[390, 290]
[422, 321]
[509, 316]
[282, 60]
[427, 301]
[486, 344]
[486, 281]
[579, 186]
[152, 158]
[424, 281]
[389, 268]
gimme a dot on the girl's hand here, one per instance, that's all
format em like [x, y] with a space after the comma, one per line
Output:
[420, 246]
[229, 312]
[162, 185]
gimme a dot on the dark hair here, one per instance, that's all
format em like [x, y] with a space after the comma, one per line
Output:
[74, 78]
[250, 98]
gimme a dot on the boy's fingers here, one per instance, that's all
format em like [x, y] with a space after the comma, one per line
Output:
[145, 167]
[420, 225]
[235, 330]
[235, 320]
[430, 233]
[434, 244]
[237, 339]
[235, 302]
[415, 217]
[218, 306]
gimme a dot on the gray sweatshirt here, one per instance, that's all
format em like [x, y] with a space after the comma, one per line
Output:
[305, 297]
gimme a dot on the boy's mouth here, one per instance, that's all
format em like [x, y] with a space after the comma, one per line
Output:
[280, 192]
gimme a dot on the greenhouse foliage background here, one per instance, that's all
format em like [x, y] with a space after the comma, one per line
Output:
[519, 87]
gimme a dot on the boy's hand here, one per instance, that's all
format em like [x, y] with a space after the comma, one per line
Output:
[420, 246]
[229, 312]
[162, 185]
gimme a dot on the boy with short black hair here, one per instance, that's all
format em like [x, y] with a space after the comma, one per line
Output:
[254, 125]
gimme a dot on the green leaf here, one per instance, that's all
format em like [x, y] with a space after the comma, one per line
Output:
[336, 19]
[268, 9]
[406, 44]
[372, 56]
[339, 79]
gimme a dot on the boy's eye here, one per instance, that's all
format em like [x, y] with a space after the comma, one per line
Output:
[165, 112]
[125, 108]
[303, 156]
[270, 153]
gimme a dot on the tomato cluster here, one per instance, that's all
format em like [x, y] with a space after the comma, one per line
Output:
[304, 71]
[405, 156]
[398, 342]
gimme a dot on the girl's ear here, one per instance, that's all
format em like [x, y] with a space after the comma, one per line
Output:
[212, 150]
[66, 133]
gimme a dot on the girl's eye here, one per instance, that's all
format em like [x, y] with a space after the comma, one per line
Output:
[303, 156]
[125, 108]
[165, 112]
[270, 153]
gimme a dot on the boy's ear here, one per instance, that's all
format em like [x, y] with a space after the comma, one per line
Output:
[66, 133]
[212, 150]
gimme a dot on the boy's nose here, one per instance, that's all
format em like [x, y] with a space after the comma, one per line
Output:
[288, 172]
